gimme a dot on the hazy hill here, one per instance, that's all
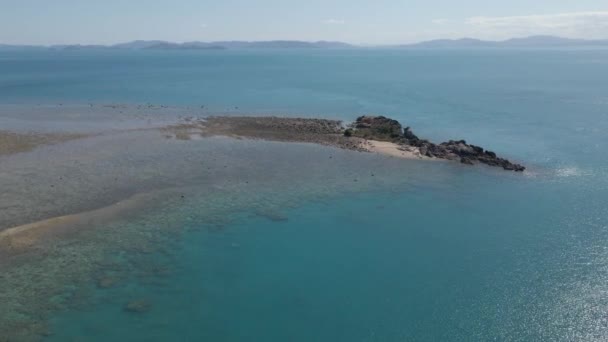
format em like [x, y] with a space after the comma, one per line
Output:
[184, 46]
[138, 44]
[527, 42]
[164, 45]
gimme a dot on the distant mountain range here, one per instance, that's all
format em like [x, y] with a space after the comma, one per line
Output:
[164, 45]
[464, 43]
[527, 42]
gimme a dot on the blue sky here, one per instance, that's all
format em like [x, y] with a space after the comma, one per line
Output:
[354, 21]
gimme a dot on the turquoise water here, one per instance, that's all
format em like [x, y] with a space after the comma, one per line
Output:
[456, 253]
[431, 263]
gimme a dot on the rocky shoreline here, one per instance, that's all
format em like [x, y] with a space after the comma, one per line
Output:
[364, 135]
[385, 129]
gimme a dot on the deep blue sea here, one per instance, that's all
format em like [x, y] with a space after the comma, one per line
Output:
[425, 252]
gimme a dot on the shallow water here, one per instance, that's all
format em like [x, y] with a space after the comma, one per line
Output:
[241, 240]
[423, 263]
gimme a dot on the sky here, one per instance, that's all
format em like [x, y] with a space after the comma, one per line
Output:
[367, 22]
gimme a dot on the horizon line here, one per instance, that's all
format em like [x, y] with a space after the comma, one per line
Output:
[176, 42]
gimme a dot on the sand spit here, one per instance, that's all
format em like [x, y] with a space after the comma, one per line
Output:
[14, 142]
[22, 238]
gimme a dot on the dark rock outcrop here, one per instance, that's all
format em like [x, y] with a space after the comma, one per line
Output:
[385, 129]
[468, 154]
[378, 127]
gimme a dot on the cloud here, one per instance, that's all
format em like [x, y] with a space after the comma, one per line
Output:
[334, 21]
[204, 25]
[575, 24]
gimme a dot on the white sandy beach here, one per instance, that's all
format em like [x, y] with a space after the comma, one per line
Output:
[393, 150]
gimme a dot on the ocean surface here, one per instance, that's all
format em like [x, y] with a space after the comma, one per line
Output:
[258, 241]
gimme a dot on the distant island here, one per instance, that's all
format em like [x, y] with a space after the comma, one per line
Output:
[464, 43]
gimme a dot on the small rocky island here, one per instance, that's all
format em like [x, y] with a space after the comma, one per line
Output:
[385, 129]
[367, 134]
